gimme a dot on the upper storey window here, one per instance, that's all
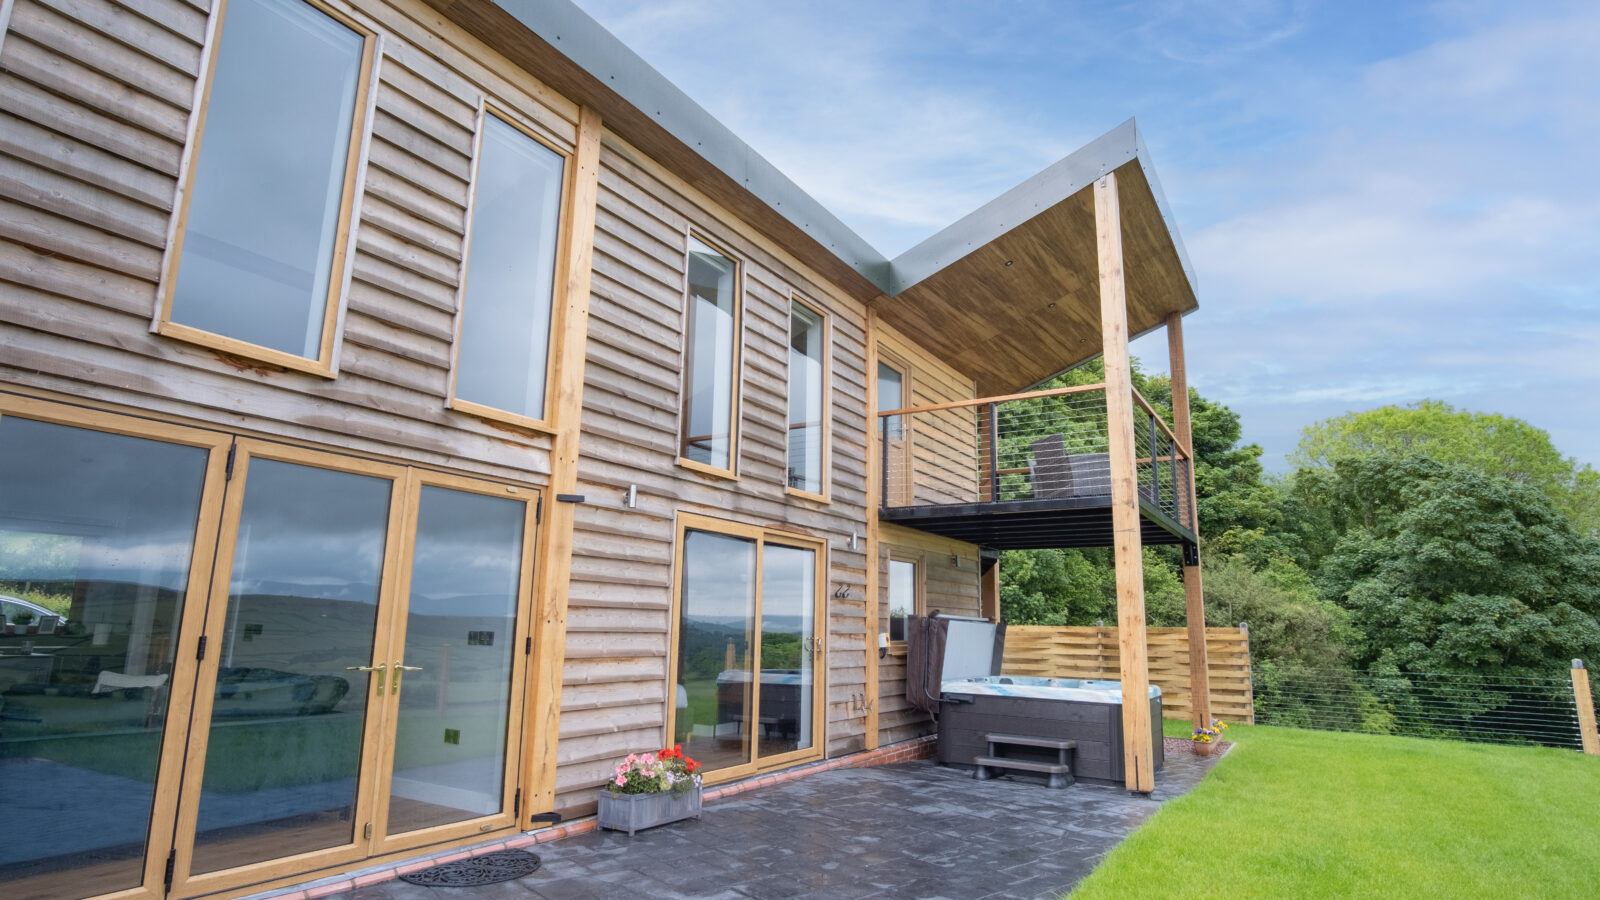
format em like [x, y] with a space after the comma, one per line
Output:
[258, 258]
[711, 360]
[808, 406]
[504, 350]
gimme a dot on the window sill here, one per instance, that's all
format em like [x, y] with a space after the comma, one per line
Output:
[246, 352]
[478, 410]
[807, 495]
[703, 469]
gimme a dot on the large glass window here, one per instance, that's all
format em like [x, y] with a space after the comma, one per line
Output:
[748, 649]
[504, 348]
[808, 411]
[710, 358]
[265, 218]
[97, 531]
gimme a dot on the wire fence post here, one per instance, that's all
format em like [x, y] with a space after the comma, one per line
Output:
[1585, 701]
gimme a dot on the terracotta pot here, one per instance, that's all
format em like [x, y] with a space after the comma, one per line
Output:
[1204, 748]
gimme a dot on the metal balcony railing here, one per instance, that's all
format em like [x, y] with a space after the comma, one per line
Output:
[1040, 446]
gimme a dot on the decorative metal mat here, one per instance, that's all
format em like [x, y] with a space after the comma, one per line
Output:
[490, 868]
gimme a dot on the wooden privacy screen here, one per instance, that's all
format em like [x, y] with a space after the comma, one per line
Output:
[1090, 652]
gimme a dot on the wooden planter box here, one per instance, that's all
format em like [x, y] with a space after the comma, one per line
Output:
[631, 812]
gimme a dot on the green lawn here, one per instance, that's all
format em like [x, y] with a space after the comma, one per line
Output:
[1293, 813]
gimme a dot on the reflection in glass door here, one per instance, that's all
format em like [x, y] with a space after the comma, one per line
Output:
[737, 582]
[97, 542]
[788, 649]
[288, 711]
[453, 683]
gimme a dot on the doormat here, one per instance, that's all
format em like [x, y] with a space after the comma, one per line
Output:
[490, 868]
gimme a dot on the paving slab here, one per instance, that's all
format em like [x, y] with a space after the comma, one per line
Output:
[913, 831]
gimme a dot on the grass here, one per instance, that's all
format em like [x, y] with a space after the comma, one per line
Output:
[1292, 813]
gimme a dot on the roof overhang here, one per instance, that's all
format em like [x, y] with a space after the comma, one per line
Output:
[1007, 326]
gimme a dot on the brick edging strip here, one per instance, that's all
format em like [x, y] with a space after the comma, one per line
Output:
[905, 751]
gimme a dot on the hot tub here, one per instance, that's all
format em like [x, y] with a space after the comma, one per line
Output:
[1086, 711]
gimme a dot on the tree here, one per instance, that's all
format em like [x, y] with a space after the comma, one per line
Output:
[1490, 444]
[1445, 569]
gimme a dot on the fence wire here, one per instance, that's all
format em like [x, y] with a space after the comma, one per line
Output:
[1483, 709]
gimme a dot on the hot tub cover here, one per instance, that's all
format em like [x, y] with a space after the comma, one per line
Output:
[1081, 690]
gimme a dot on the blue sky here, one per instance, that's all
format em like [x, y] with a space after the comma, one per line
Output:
[1382, 201]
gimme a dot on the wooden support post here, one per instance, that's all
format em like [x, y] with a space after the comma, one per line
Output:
[1138, 753]
[875, 488]
[1585, 701]
[1194, 600]
[568, 353]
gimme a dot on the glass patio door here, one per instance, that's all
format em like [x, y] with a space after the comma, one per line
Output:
[451, 741]
[746, 668]
[368, 624]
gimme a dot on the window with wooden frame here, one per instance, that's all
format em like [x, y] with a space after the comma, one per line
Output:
[258, 252]
[504, 312]
[709, 427]
[749, 617]
[903, 593]
[894, 432]
[809, 349]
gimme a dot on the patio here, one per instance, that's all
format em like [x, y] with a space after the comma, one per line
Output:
[914, 830]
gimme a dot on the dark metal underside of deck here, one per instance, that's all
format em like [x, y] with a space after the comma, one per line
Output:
[1034, 524]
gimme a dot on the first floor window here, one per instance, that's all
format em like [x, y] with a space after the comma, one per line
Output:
[710, 357]
[268, 200]
[808, 408]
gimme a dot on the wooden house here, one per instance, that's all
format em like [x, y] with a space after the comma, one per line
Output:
[412, 407]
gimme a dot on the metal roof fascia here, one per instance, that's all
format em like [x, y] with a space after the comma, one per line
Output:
[587, 43]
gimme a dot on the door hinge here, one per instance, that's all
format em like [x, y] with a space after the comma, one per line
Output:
[527, 646]
[366, 831]
[200, 651]
[516, 803]
[233, 451]
[172, 865]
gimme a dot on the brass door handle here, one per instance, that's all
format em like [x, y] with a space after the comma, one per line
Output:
[377, 668]
[394, 683]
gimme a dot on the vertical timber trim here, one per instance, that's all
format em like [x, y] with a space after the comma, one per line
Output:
[869, 691]
[1138, 755]
[555, 538]
[989, 592]
[1194, 600]
[1585, 702]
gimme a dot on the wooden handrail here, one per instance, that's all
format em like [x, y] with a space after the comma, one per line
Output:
[1162, 423]
[958, 404]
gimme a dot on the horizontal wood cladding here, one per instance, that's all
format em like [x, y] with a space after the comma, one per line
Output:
[622, 567]
[96, 98]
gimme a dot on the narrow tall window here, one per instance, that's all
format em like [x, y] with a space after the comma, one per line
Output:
[258, 260]
[902, 596]
[710, 358]
[504, 350]
[891, 395]
[808, 409]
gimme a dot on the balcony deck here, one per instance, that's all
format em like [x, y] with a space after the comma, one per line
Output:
[1045, 482]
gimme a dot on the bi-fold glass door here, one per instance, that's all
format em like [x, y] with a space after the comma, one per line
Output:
[312, 661]
[749, 649]
[369, 621]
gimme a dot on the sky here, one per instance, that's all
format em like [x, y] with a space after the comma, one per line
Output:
[1382, 202]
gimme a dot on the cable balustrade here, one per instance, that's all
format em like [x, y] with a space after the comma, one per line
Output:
[1026, 455]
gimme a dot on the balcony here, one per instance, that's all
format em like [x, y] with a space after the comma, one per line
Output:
[1030, 471]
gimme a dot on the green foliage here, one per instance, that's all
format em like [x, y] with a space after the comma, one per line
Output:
[1490, 444]
[1079, 587]
[1289, 623]
[1445, 569]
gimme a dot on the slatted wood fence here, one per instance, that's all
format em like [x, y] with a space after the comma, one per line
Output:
[1091, 652]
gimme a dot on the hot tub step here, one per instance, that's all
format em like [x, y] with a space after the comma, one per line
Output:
[1060, 775]
[1022, 740]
